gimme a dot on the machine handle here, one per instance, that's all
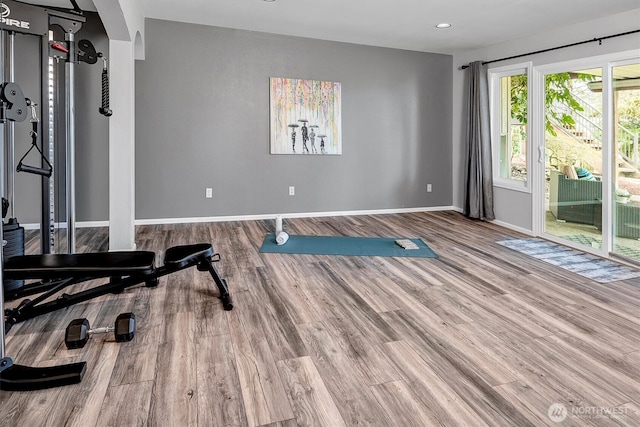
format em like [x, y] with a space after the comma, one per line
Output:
[104, 109]
[34, 170]
[42, 171]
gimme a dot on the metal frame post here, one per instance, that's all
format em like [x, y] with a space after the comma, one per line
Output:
[9, 130]
[3, 359]
[46, 138]
[71, 144]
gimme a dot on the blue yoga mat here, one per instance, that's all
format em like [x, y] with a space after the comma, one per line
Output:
[343, 245]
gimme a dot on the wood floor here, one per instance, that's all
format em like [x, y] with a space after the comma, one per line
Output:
[480, 336]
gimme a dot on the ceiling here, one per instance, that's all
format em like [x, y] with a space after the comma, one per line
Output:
[402, 24]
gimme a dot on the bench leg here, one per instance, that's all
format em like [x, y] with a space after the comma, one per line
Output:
[227, 303]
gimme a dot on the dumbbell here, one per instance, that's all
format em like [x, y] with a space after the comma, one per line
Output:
[78, 332]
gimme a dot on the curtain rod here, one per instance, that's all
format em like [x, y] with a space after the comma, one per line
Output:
[597, 39]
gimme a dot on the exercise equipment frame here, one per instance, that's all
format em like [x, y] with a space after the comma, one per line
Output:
[123, 269]
[59, 271]
[32, 20]
[27, 19]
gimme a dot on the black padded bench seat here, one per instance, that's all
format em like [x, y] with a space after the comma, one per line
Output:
[99, 264]
[122, 268]
[181, 256]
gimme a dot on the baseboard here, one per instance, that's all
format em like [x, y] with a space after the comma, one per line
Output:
[90, 224]
[189, 220]
[160, 221]
[503, 224]
[513, 227]
[63, 225]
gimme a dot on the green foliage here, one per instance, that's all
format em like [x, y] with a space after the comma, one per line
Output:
[629, 109]
[558, 91]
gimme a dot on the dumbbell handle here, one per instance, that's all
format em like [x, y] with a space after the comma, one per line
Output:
[102, 330]
[78, 331]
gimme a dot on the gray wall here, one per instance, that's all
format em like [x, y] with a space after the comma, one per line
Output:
[27, 75]
[202, 120]
[92, 133]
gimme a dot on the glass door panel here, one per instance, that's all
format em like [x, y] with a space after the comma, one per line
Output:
[573, 145]
[626, 129]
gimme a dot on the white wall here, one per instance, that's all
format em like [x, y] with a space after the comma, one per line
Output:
[124, 24]
[512, 207]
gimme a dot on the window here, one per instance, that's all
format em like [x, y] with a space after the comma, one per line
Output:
[509, 88]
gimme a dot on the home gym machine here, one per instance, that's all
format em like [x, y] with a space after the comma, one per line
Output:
[55, 98]
[55, 272]
[19, 18]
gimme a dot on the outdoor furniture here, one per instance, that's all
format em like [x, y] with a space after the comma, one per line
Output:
[580, 201]
[573, 200]
[626, 219]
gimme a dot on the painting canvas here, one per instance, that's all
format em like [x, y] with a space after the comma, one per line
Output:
[305, 117]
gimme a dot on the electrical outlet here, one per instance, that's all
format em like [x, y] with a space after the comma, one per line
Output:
[292, 190]
[208, 193]
[429, 188]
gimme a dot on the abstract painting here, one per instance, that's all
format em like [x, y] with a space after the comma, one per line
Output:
[305, 117]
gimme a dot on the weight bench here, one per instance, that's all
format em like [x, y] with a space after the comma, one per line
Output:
[58, 271]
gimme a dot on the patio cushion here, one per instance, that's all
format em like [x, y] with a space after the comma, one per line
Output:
[569, 171]
[585, 174]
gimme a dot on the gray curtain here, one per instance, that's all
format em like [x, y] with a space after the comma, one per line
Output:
[478, 188]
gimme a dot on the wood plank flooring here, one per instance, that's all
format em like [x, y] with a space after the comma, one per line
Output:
[480, 336]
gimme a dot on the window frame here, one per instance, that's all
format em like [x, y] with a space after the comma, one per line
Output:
[495, 75]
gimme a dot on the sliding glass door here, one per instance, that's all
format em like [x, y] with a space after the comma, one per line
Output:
[592, 157]
[573, 143]
[625, 132]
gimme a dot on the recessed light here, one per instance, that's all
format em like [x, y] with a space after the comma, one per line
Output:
[443, 25]
[268, 1]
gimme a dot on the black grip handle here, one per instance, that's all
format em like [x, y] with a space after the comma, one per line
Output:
[104, 109]
[34, 170]
[42, 171]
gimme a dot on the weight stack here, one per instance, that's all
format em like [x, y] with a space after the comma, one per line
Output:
[13, 235]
